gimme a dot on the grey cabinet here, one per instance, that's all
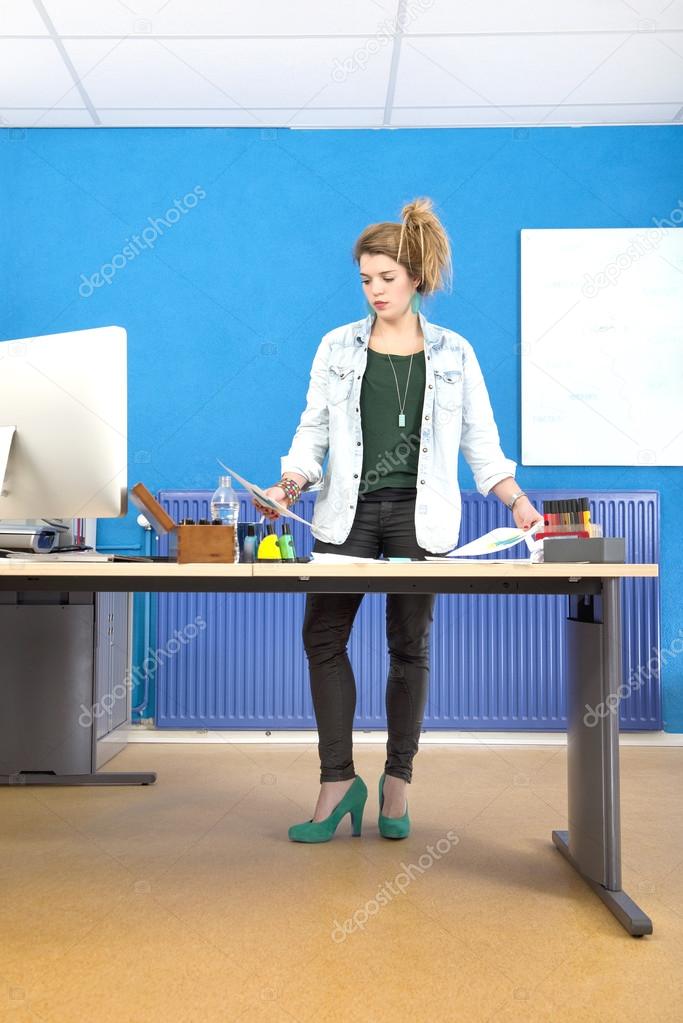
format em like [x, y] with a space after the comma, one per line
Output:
[64, 682]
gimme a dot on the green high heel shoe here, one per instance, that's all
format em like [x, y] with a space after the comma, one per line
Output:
[322, 831]
[392, 827]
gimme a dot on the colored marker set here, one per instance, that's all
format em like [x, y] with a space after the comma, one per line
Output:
[272, 547]
[568, 517]
[569, 535]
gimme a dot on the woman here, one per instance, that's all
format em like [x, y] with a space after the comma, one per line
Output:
[391, 399]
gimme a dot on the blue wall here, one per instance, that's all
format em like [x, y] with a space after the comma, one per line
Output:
[224, 310]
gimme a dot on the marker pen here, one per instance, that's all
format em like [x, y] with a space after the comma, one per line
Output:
[250, 545]
[586, 510]
[286, 544]
[268, 549]
[545, 515]
[554, 515]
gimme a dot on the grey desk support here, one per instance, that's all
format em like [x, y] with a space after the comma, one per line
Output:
[592, 842]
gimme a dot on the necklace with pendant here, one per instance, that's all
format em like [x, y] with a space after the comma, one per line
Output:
[401, 405]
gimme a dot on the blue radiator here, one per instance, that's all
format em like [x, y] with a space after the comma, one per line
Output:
[497, 662]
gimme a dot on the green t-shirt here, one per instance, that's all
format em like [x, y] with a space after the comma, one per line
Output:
[390, 451]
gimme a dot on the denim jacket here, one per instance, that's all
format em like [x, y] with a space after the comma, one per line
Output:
[456, 414]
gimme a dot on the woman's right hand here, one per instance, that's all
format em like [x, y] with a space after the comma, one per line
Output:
[276, 494]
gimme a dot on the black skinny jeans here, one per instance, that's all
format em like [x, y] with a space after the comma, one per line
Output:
[379, 527]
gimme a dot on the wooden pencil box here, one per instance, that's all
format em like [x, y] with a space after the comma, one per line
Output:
[188, 544]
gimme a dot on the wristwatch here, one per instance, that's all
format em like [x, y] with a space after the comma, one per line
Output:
[514, 498]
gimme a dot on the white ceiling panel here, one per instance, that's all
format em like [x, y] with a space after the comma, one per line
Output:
[218, 18]
[617, 113]
[336, 65]
[531, 16]
[19, 17]
[40, 118]
[449, 117]
[32, 74]
[230, 73]
[435, 72]
[645, 68]
[357, 117]
[506, 117]
[291, 72]
[140, 73]
[219, 118]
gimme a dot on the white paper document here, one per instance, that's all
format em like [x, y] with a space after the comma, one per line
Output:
[496, 540]
[256, 492]
[331, 559]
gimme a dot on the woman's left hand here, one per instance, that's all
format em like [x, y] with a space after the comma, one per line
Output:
[525, 514]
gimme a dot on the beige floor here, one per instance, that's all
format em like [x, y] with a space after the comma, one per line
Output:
[185, 901]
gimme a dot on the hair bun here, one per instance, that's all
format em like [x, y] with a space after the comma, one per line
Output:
[415, 209]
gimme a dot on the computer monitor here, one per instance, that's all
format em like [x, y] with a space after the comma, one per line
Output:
[63, 425]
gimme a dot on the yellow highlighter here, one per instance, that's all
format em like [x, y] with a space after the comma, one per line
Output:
[268, 549]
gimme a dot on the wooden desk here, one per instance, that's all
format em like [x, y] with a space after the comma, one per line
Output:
[361, 577]
[592, 844]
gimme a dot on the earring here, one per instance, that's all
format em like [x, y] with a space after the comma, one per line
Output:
[416, 301]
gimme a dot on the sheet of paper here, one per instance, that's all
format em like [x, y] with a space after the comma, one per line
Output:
[256, 491]
[496, 540]
[335, 558]
[445, 559]
[330, 559]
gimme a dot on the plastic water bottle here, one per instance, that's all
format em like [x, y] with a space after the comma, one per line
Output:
[225, 506]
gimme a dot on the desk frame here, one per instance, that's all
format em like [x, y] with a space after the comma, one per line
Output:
[592, 842]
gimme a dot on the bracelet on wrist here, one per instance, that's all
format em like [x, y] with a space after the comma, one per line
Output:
[291, 488]
[515, 497]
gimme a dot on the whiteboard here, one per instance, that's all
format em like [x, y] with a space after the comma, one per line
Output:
[602, 346]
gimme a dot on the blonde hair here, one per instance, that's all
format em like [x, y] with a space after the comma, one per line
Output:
[419, 243]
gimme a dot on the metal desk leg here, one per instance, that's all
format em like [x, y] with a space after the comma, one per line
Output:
[593, 843]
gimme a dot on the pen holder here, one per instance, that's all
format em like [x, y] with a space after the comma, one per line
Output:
[202, 544]
[187, 543]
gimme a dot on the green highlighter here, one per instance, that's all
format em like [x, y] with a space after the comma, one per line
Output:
[286, 544]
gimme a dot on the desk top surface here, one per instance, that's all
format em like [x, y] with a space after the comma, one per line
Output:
[15, 571]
